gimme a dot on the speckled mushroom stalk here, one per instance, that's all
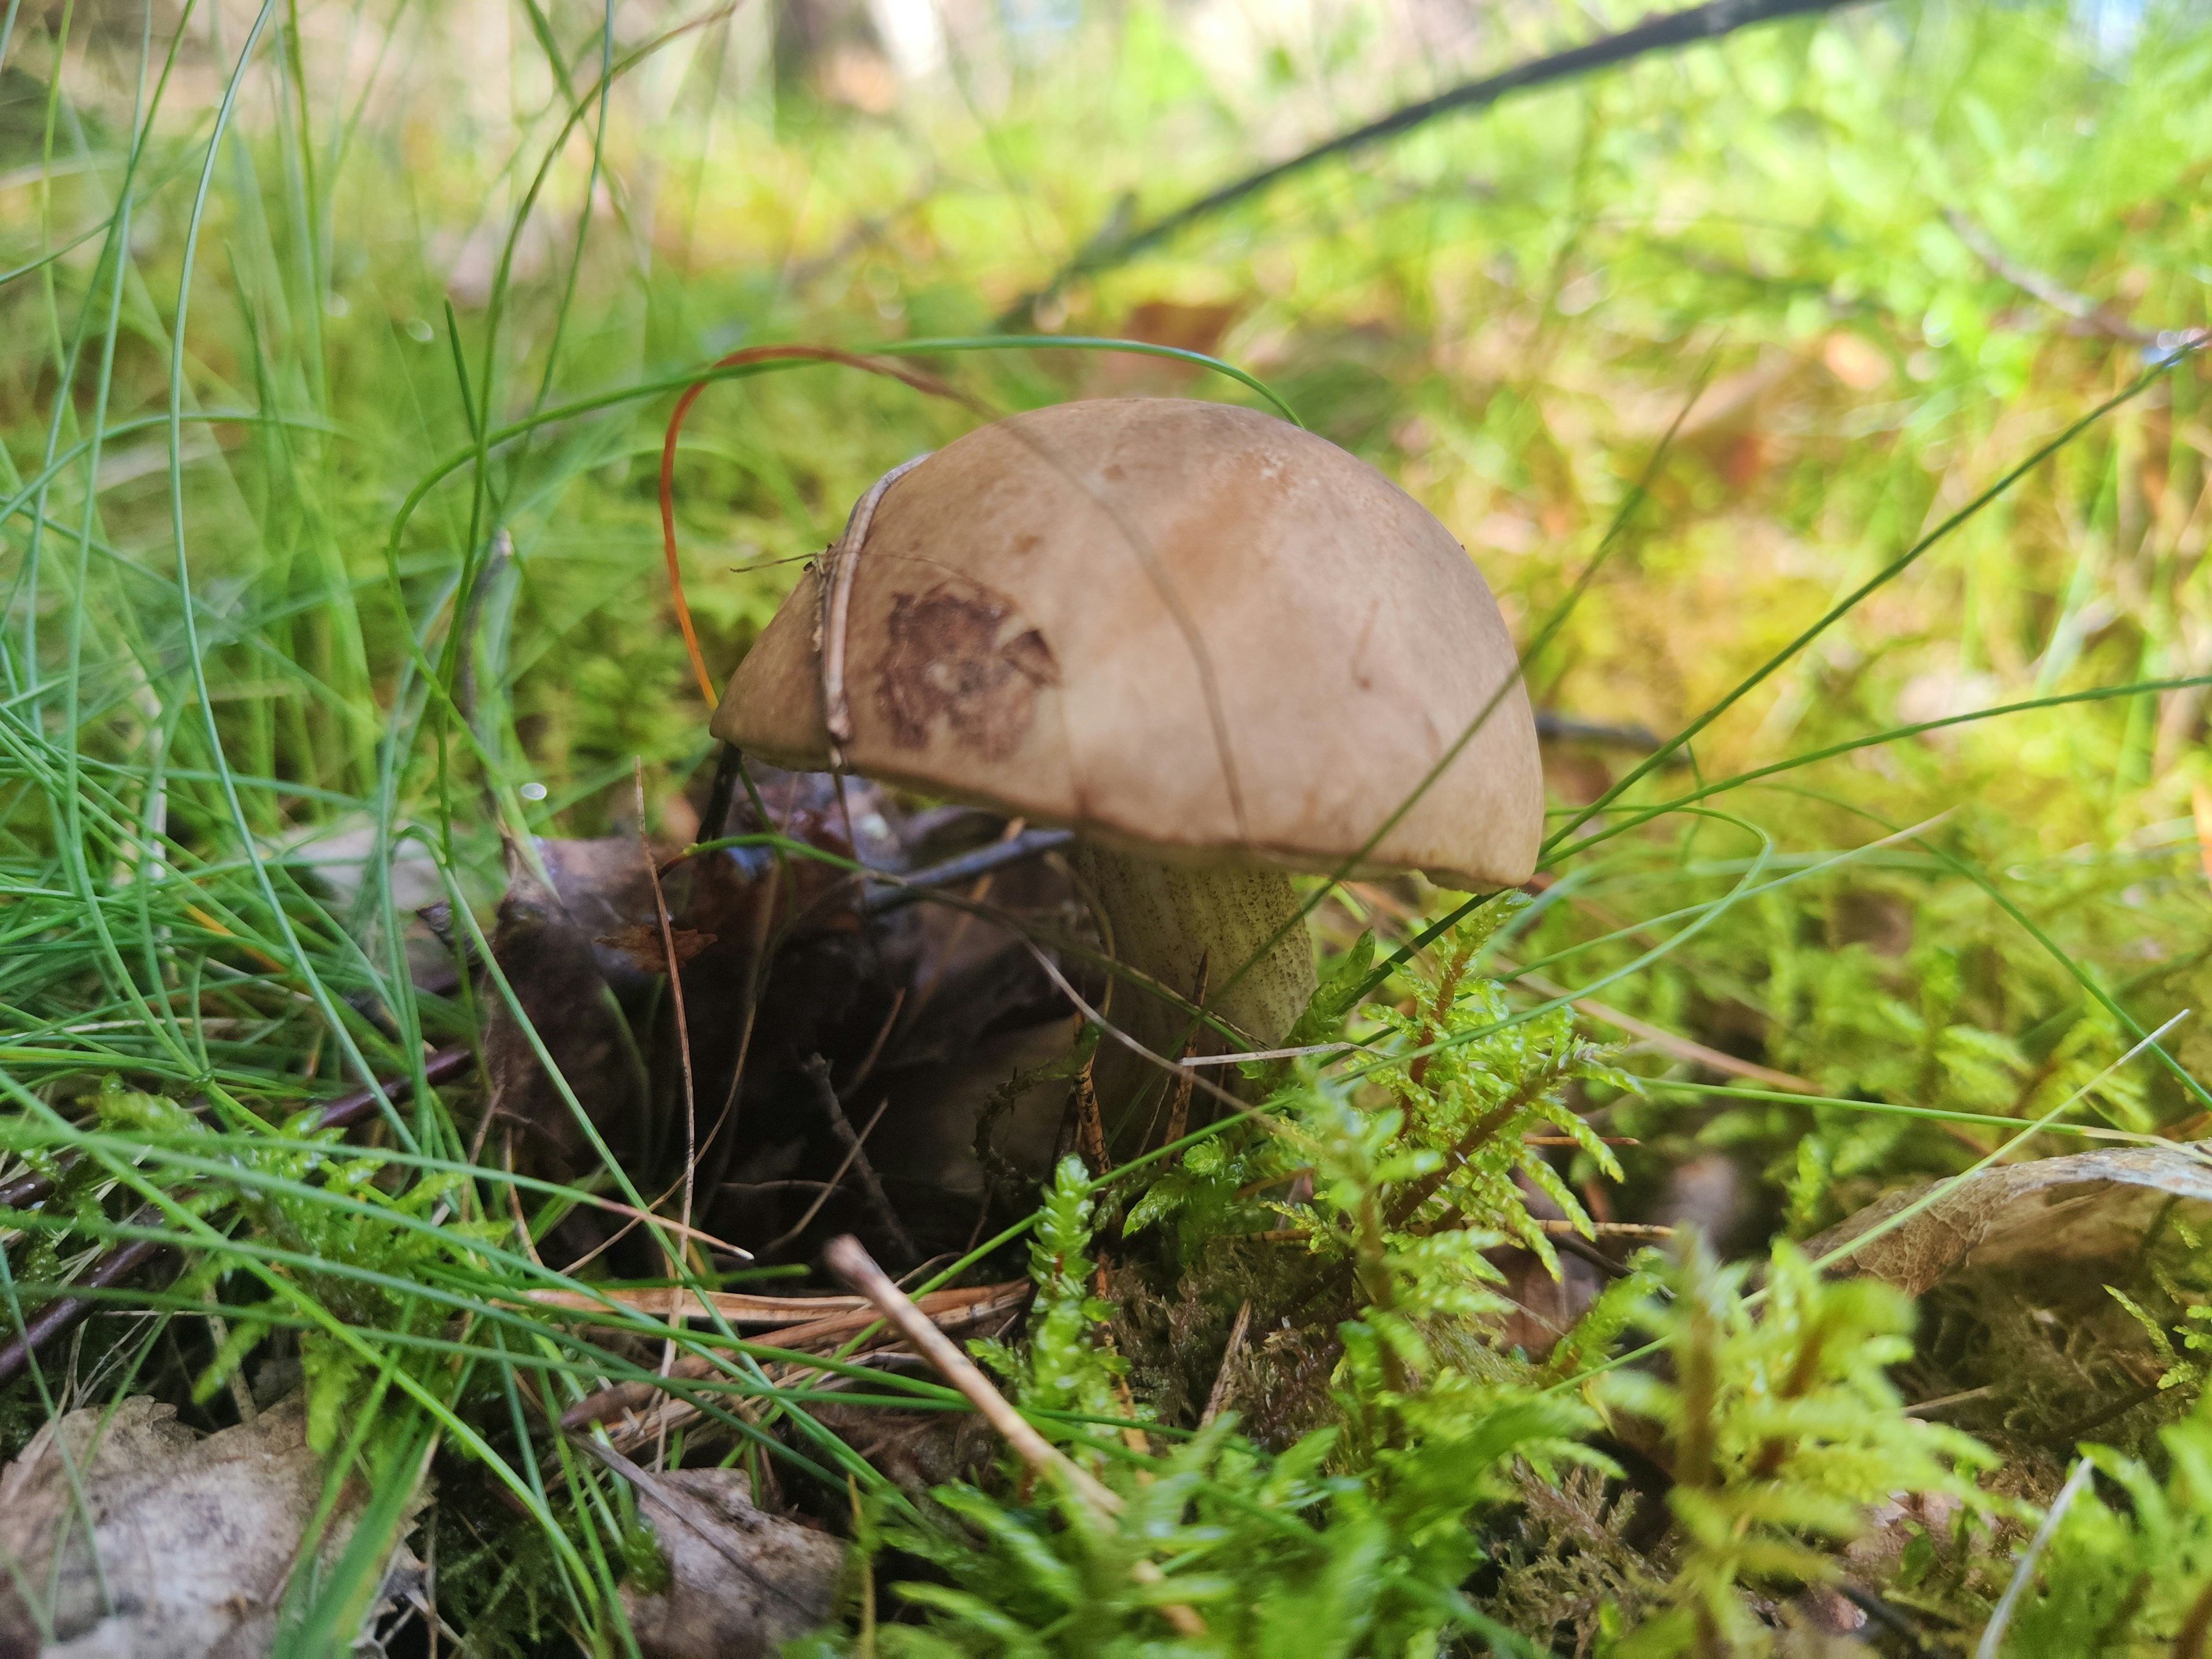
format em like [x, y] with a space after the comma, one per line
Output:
[1215, 645]
[1193, 931]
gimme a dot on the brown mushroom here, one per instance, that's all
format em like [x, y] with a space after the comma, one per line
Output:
[1220, 648]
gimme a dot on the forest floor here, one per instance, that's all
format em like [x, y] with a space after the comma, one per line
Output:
[1778, 1224]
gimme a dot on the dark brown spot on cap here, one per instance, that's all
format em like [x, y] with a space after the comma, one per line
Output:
[959, 653]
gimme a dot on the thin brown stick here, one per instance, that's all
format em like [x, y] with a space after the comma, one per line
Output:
[1089, 1123]
[2094, 317]
[1076, 1000]
[2196, 1625]
[1409, 1201]
[690, 1513]
[681, 1249]
[515, 1196]
[818, 1073]
[1179, 1091]
[876, 1048]
[638, 1218]
[1218, 1396]
[964, 918]
[737, 1306]
[852, 1151]
[833, 576]
[755, 970]
[851, 1262]
[676, 995]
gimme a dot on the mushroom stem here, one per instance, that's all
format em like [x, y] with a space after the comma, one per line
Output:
[1194, 931]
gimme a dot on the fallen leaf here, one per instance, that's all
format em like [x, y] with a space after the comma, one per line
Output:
[191, 1542]
[742, 1581]
[917, 1451]
[644, 949]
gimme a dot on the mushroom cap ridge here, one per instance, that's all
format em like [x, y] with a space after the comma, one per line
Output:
[1180, 628]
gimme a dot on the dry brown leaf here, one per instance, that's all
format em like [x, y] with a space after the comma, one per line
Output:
[643, 948]
[194, 1539]
[744, 1582]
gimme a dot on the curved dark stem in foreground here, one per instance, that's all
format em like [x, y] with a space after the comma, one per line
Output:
[1682, 28]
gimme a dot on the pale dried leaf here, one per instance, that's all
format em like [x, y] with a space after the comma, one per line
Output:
[745, 1581]
[643, 948]
[195, 1539]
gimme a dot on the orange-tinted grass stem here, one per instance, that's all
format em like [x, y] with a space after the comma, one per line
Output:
[915, 378]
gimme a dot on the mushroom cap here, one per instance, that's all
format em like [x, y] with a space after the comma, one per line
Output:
[1181, 629]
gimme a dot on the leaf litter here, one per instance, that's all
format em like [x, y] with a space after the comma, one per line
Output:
[129, 1536]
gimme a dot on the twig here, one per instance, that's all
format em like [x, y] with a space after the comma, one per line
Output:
[1249, 1055]
[1581, 1250]
[1218, 1396]
[852, 1152]
[1076, 1000]
[1682, 28]
[1179, 1091]
[2196, 1625]
[1556, 1228]
[723, 1136]
[66, 1313]
[964, 920]
[818, 1073]
[675, 967]
[900, 891]
[1091, 1124]
[919, 380]
[635, 1217]
[2080, 308]
[1409, 1201]
[1944, 1402]
[852, 1263]
[681, 1251]
[1886, 1615]
[876, 1048]
[1554, 728]
[1551, 1226]
[685, 1510]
